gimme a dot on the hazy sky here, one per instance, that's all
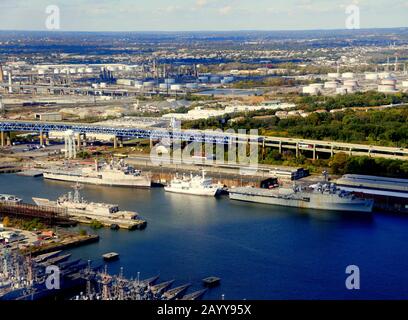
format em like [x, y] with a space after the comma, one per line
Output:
[176, 15]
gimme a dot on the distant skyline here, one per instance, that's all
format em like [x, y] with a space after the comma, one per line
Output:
[201, 15]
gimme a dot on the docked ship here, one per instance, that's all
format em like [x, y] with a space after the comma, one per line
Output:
[109, 174]
[10, 198]
[83, 211]
[321, 196]
[194, 185]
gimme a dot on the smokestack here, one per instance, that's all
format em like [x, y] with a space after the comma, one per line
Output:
[396, 64]
[10, 81]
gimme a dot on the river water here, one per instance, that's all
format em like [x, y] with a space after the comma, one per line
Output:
[259, 251]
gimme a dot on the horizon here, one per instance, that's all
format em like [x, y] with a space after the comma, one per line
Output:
[201, 15]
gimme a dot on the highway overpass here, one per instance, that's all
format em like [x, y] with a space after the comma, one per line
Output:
[299, 146]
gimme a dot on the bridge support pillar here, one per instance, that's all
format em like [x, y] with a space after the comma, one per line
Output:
[297, 150]
[314, 152]
[8, 139]
[41, 138]
[351, 152]
[3, 139]
[280, 146]
[84, 140]
[115, 142]
[120, 140]
[79, 141]
[332, 151]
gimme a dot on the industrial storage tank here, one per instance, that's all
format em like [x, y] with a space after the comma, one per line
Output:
[164, 86]
[311, 90]
[389, 81]
[169, 81]
[350, 83]
[149, 84]
[228, 79]
[333, 75]
[331, 84]
[215, 79]
[176, 87]
[348, 75]
[386, 88]
[317, 85]
[191, 85]
[203, 78]
[384, 75]
[371, 76]
[341, 90]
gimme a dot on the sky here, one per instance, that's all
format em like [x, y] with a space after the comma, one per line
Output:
[197, 15]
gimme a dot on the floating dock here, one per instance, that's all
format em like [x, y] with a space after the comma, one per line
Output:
[111, 256]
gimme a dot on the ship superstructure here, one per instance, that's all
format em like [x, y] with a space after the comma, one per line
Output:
[194, 185]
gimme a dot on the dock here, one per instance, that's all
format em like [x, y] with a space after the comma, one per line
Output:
[211, 281]
[111, 256]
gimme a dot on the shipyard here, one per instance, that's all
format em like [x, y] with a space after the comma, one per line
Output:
[202, 150]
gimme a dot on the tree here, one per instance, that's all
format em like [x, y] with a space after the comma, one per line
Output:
[338, 163]
[6, 222]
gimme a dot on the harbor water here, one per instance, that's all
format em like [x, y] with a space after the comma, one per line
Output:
[259, 251]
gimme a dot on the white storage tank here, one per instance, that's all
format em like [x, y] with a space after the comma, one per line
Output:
[169, 81]
[317, 85]
[331, 84]
[384, 75]
[333, 75]
[348, 75]
[191, 85]
[164, 86]
[341, 90]
[203, 78]
[389, 81]
[176, 87]
[310, 90]
[350, 83]
[228, 79]
[148, 84]
[371, 76]
[386, 88]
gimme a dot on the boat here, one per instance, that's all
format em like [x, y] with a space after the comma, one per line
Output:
[174, 293]
[194, 295]
[194, 185]
[149, 281]
[158, 288]
[79, 209]
[320, 196]
[56, 260]
[46, 256]
[10, 198]
[115, 173]
[110, 256]
[211, 281]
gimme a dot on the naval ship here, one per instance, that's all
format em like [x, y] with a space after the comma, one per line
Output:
[86, 212]
[321, 196]
[109, 174]
[194, 185]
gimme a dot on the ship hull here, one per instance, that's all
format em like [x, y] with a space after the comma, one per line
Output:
[314, 202]
[143, 182]
[195, 192]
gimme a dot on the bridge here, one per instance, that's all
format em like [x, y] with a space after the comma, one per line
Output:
[310, 147]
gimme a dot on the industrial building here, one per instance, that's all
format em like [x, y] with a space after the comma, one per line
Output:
[388, 193]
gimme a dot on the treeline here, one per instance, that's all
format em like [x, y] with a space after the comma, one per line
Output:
[388, 127]
[358, 99]
[342, 163]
